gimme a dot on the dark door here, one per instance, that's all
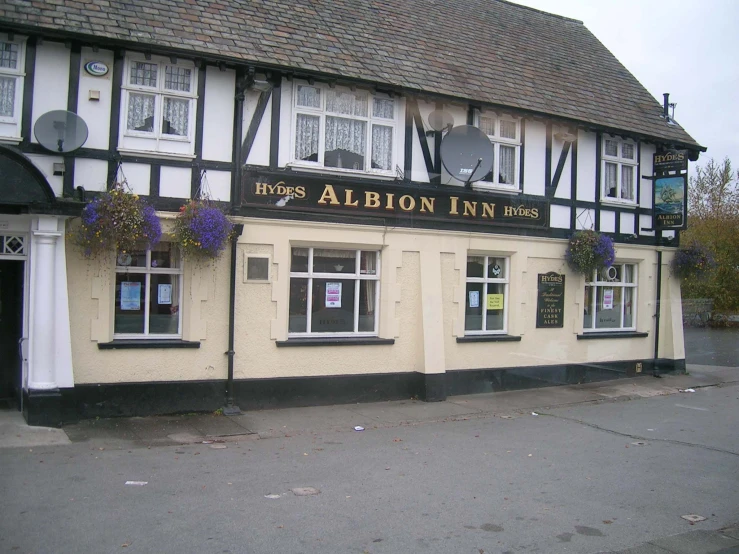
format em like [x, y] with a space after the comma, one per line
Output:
[11, 328]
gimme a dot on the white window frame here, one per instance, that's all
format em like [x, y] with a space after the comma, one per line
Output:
[485, 280]
[321, 112]
[497, 141]
[591, 281]
[156, 140]
[620, 162]
[10, 125]
[357, 277]
[149, 271]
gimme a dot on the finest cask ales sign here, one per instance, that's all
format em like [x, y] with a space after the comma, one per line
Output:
[391, 200]
[550, 300]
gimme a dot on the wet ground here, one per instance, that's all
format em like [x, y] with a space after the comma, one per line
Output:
[707, 346]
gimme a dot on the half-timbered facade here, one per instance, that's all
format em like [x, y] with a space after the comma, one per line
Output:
[362, 268]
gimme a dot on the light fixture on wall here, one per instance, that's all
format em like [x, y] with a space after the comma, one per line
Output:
[58, 168]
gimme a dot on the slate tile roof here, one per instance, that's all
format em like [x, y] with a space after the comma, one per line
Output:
[487, 51]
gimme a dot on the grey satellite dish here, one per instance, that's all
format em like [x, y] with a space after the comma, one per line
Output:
[467, 153]
[440, 120]
[60, 131]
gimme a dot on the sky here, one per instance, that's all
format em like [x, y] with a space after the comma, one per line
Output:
[684, 47]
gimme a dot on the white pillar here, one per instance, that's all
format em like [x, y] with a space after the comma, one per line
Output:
[42, 374]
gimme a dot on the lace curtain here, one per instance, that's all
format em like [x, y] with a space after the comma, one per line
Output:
[140, 112]
[306, 137]
[507, 165]
[349, 136]
[382, 147]
[176, 117]
[627, 182]
[7, 96]
[346, 103]
[610, 180]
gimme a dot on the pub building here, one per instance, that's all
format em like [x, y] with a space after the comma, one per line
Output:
[364, 266]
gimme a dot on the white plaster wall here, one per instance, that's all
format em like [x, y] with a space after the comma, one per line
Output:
[90, 174]
[585, 219]
[45, 165]
[564, 188]
[51, 80]
[607, 221]
[259, 154]
[559, 217]
[174, 182]
[96, 113]
[219, 185]
[627, 223]
[535, 158]
[586, 153]
[220, 88]
[138, 177]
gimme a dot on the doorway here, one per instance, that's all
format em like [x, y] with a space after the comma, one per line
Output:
[11, 331]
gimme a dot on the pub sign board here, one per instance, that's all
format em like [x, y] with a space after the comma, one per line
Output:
[670, 202]
[670, 160]
[550, 300]
[299, 193]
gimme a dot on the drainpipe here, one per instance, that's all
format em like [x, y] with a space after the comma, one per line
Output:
[230, 408]
[658, 310]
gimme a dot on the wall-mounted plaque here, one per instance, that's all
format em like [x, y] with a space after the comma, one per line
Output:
[550, 300]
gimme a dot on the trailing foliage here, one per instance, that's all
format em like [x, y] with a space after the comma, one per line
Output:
[588, 251]
[117, 221]
[202, 230]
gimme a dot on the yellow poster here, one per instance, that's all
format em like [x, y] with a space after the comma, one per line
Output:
[495, 301]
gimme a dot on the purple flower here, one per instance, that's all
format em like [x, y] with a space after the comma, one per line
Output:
[151, 228]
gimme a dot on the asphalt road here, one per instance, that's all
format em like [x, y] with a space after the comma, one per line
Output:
[579, 479]
[707, 346]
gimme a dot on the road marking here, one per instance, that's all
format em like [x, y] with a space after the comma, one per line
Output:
[692, 407]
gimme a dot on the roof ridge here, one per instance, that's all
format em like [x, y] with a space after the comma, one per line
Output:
[511, 3]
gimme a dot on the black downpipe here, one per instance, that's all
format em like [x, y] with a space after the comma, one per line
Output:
[658, 311]
[230, 408]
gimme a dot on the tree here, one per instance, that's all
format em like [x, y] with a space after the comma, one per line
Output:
[713, 220]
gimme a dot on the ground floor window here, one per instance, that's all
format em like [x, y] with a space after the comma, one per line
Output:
[148, 291]
[334, 291]
[486, 295]
[610, 299]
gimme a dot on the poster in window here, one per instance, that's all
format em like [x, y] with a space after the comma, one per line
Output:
[474, 299]
[164, 294]
[607, 299]
[495, 301]
[333, 295]
[130, 295]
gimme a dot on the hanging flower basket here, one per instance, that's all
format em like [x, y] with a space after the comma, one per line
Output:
[693, 260]
[117, 221]
[202, 230]
[588, 251]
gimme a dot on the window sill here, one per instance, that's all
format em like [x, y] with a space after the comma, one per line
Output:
[489, 338]
[10, 140]
[336, 341]
[621, 204]
[338, 171]
[147, 343]
[155, 154]
[613, 335]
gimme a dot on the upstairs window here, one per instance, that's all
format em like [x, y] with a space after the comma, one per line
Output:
[505, 134]
[619, 170]
[158, 110]
[12, 61]
[343, 129]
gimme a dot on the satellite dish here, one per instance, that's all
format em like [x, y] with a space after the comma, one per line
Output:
[440, 120]
[60, 131]
[467, 153]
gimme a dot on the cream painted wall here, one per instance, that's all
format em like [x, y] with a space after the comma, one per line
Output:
[204, 309]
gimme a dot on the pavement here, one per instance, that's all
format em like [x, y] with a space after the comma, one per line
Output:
[596, 405]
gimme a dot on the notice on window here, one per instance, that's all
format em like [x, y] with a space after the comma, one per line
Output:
[474, 299]
[333, 295]
[607, 299]
[164, 294]
[130, 295]
[495, 301]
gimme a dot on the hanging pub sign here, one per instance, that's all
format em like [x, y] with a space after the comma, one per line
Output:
[670, 160]
[670, 202]
[308, 194]
[550, 300]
